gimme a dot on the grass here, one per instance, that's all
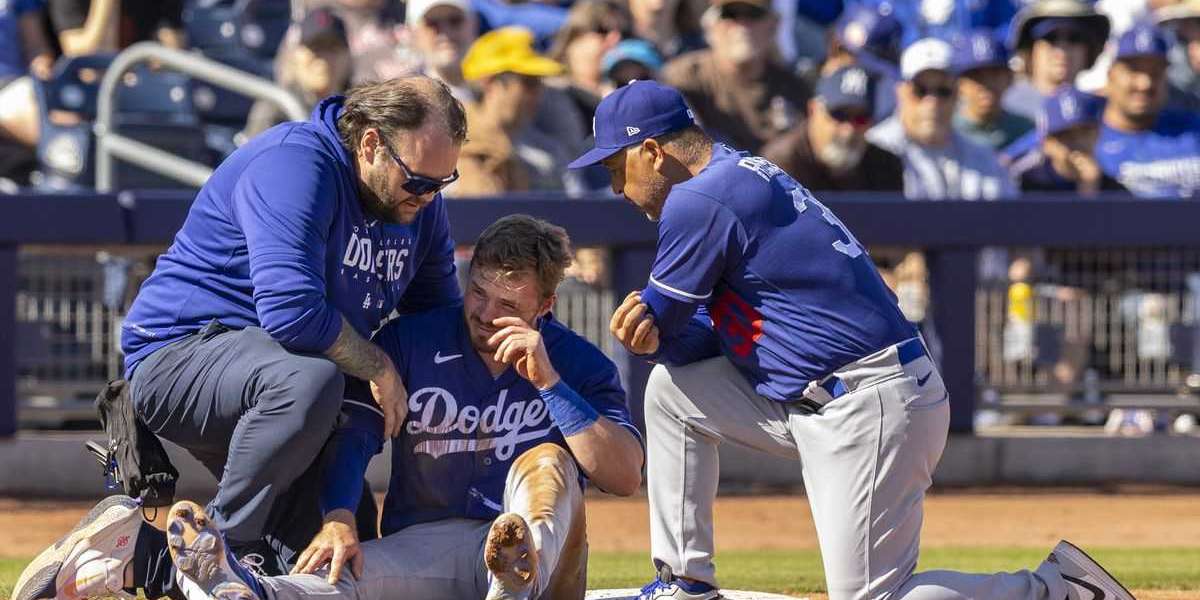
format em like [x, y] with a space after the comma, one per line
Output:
[799, 571]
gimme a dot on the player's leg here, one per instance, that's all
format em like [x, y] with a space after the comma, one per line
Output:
[690, 410]
[540, 543]
[868, 458]
[256, 414]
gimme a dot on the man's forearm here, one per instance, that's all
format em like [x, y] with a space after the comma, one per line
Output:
[355, 355]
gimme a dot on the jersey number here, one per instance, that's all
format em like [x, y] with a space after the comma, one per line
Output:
[801, 198]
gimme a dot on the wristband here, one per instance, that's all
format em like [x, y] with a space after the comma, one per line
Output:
[569, 411]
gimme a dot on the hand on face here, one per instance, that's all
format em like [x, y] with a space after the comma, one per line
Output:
[518, 344]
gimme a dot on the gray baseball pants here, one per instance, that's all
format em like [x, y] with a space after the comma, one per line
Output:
[867, 458]
[443, 560]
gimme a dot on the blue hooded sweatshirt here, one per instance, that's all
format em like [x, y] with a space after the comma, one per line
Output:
[277, 238]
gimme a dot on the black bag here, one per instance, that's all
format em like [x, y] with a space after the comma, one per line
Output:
[134, 457]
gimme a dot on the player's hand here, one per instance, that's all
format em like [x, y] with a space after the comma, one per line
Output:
[336, 545]
[392, 398]
[521, 346]
[633, 327]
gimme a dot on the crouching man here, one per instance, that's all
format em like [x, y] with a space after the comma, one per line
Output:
[509, 413]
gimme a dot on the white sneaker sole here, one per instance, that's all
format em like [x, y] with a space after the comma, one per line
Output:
[198, 551]
[1066, 551]
[511, 558]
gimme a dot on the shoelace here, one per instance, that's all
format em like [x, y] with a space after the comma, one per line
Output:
[653, 586]
[253, 562]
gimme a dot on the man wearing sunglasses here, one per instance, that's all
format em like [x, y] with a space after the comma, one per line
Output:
[939, 162]
[830, 151]
[738, 90]
[296, 249]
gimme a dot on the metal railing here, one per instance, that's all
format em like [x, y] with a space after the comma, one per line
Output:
[111, 145]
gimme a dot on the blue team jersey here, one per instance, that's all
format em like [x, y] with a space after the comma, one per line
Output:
[277, 238]
[465, 428]
[791, 294]
[1163, 162]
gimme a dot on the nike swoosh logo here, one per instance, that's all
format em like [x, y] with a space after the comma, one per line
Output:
[1097, 593]
[439, 359]
[921, 380]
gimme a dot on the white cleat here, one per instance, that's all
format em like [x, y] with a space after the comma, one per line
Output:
[511, 558]
[89, 561]
[201, 562]
[1085, 578]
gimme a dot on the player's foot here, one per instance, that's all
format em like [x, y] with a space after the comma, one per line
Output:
[1085, 578]
[202, 564]
[89, 561]
[511, 558]
[668, 587]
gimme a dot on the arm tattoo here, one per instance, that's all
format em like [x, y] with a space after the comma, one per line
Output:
[356, 356]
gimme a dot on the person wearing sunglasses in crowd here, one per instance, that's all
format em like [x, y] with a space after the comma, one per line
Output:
[740, 93]
[236, 348]
[939, 162]
[830, 151]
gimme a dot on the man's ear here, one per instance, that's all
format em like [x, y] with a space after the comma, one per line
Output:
[547, 306]
[654, 152]
[369, 145]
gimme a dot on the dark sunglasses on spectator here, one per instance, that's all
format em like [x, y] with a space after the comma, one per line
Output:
[1066, 37]
[742, 12]
[857, 119]
[942, 92]
[601, 29]
[451, 22]
[417, 184]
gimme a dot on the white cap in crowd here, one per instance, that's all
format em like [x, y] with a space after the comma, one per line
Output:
[929, 54]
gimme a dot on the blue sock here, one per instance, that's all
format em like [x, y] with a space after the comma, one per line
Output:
[693, 587]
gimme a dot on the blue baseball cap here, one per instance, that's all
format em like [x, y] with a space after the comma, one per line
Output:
[640, 110]
[978, 50]
[1067, 108]
[848, 87]
[638, 51]
[872, 34]
[1043, 28]
[1142, 40]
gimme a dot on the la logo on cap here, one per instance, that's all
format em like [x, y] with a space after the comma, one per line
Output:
[632, 131]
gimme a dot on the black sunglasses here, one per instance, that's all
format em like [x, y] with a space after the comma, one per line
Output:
[857, 119]
[742, 12]
[417, 184]
[938, 91]
[1059, 38]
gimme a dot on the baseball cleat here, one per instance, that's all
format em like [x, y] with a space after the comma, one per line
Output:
[199, 552]
[89, 561]
[1085, 578]
[668, 587]
[510, 558]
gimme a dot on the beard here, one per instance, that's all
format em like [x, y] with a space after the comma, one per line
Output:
[841, 156]
[657, 188]
[373, 191]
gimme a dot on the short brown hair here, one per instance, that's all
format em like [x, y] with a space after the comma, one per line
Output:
[586, 16]
[519, 243]
[402, 104]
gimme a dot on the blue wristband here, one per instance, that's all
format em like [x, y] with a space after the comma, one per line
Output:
[569, 411]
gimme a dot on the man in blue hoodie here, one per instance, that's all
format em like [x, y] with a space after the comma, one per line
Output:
[294, 252]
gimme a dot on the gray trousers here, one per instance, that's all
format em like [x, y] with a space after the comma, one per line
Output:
[255, 414]
[443, 560]
[866, 458]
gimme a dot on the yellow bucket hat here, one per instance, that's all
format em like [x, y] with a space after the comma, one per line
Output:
[506, 50]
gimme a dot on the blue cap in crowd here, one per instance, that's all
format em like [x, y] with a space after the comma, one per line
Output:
[633, 49]
[872, 34]
[640, 110]
[1044, 27]
[1067, 108]
[978, 50]
[847, 87]
[1142, 40]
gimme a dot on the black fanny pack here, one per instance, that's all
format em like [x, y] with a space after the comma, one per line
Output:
[134, 458]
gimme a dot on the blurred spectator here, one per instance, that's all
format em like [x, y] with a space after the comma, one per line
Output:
[542, 19]
[1152, 151]
[829, 151]
[24, 51]
[442, 30]
[94, 26]
[380, 44]
[950, 19]
[939, 162]
[1055, 40]
[1066, 159]
[319, 66]
[664, 23]
[503, 153]
[983, 77]
[1183, 20]
[740, 94]
[630, 60]
[868, 36]
[593, 28]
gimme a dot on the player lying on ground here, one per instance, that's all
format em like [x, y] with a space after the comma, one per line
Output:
[508, 408]
[806, 356]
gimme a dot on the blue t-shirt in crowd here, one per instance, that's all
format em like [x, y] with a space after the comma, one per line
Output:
[464, 428]
[13, 62]
[791, 295]
[1162, 162]
[277, 238]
